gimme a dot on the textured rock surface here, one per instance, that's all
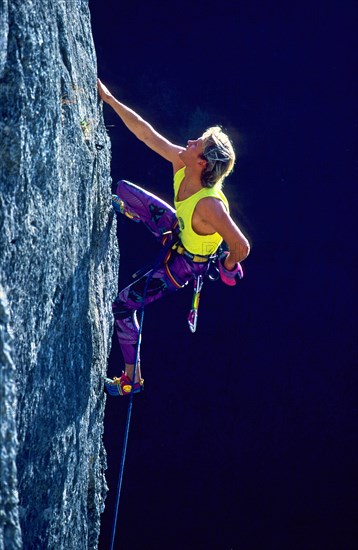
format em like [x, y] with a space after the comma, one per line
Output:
[10, 534]
[58, 274]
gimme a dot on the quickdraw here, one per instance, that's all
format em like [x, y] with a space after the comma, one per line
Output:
[193, 313]
[213, 274]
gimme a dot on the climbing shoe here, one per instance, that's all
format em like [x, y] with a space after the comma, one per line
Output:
[122, 385]
[121, 208]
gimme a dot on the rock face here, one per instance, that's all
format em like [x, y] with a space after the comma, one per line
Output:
[58, 277]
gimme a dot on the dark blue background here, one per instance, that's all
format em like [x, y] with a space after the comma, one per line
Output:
[245, 437]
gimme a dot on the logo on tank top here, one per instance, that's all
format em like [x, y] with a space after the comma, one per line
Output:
[181, 224]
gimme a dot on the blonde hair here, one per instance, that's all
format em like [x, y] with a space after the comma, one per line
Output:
[219, 154]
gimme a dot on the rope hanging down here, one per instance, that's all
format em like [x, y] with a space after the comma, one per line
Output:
[129, 414]
[130, 403]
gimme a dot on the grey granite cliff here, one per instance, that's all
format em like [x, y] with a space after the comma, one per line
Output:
[58, 277]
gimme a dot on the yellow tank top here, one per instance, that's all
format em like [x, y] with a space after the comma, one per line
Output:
[194, 243]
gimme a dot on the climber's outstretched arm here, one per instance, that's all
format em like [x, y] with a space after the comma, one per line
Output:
[142, 129]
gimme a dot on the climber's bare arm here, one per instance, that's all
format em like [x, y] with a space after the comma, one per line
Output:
[211, 215]
[142, 129]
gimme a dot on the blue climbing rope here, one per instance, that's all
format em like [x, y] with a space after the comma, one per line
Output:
[129, 413]
[159, 259]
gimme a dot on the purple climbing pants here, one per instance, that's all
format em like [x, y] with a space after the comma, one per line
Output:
[172, 272]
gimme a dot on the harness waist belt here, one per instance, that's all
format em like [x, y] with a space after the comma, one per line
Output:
[197, 258]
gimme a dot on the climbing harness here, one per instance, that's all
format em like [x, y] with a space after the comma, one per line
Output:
[196, 258]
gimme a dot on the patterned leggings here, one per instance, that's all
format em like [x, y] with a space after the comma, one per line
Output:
[171, 273]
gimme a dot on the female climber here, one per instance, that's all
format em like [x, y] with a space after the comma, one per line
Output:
[192, 231]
